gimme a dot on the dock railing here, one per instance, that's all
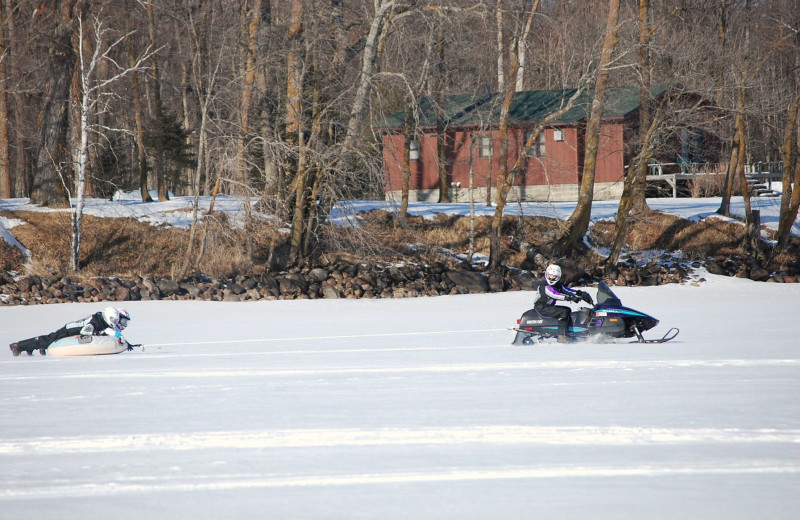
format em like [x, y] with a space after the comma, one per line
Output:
[672, 172]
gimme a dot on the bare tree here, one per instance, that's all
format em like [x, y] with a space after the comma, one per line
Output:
[382, 9]
[53, 169]
[790, 148]
[5, 172]
[93, 92]
[632, 201]
[138, 112]
[158, 106]
[441, 130]
[410, 123]
[505, 175]
[578, 223]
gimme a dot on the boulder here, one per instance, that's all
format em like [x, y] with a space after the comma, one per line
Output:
[468, 281]
[168, 287]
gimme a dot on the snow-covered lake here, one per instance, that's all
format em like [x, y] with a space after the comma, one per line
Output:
[408, 409]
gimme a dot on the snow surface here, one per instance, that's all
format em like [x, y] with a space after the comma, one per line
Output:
[177, 212]
[407, 409]
[411, 408]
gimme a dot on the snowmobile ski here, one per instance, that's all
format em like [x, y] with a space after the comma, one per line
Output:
[668, 336]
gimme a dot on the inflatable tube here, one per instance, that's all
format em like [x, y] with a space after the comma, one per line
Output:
[92, 346]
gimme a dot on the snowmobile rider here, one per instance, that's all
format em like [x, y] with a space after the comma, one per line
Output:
[550, 291]
[108, 322]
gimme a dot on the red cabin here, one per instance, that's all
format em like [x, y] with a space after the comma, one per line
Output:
[552, 168]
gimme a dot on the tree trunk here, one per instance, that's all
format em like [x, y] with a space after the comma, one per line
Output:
[730, 176]
[5, 148]
[742, 159]
[471, 251]
[578, 223]
[138, 117]
[523, 47]
[187, 111]
[158, 108]
[294, 87]
[200, 167]
[505, 177]
[501, 50]
[83, 156]
[633, 192]
[83, 46]
[382, 10]
[250, 24]
[441, 124]
[722, 32]
[53, 172]
[409, 136]
[504, 180]
[295, 129]
[790, 196]
[316, 171]
[301, 193]
[20, 180]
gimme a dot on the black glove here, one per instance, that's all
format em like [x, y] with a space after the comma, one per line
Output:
[573, 298]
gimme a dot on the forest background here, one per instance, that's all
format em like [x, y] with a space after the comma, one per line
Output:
[275, 101]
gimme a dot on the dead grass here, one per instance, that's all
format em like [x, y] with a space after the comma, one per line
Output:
[125, 247]
[11, 258]
[657, 231]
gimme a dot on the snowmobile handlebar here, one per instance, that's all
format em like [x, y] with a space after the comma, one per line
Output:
[582, 297]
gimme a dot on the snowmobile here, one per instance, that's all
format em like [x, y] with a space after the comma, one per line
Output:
[605, 321]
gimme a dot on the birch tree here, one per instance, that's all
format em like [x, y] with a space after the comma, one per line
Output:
[204, 83]
[381, 12]
[93, 94]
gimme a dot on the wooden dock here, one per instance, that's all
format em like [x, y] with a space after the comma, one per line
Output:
[759, 175]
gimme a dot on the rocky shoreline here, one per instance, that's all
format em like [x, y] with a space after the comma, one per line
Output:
[349, 280]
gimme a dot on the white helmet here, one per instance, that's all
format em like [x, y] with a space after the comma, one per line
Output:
[116, 318]
[552, 274]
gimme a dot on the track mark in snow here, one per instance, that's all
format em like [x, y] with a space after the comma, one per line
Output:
[443, 368]
[317, 338]
[233, 482]
[495, 434]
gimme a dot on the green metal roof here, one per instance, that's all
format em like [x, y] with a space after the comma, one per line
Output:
[527, 107]
[454, 108]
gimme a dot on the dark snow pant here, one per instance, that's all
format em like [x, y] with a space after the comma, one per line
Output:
[559, 312]
[42, 342]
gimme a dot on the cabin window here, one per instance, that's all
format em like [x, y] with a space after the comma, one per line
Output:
[413, 150]
[485, 146]
[538, 148]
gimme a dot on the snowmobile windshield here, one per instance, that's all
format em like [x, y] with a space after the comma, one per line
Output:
[606, 297]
